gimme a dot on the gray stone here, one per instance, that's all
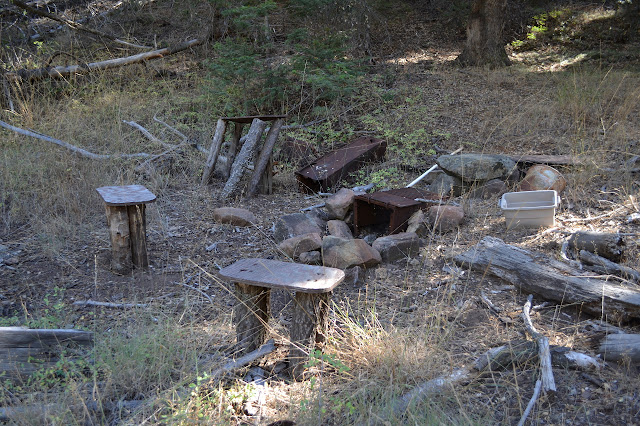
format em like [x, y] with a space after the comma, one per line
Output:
[492, 189]
[290, 225]
[294, 246]
[417, 224]
[354, 276]
[446, 184]
[397, 246]
[445, 218]
[320, 216]
[234, 216]
[311, 258]
[342, 253]
[340, 203]
[473, 167]
[339, 228]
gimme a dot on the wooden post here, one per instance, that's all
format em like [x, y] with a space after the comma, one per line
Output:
[265, 157]
[218, 137]
[138, 232]
[118, 222]
[308, 327]
[233, 148]
[250, 315]
[241, 162]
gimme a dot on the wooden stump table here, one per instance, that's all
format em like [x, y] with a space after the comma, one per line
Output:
[254, 279]
[125, 207]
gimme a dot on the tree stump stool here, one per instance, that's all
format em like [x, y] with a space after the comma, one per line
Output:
[125, 207]
[254, 279]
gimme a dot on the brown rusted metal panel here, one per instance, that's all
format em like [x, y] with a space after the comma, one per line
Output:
[327, 170]
[393, 207]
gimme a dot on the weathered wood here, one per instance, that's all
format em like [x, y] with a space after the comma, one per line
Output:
[308, 328]
[548, 382]
[234, 145]
[138, 234]
[610, 246]
[265, 156]
[552, 160]
[118, 222]
[536, 273]
[608, 267]
[216, 143]
[250, 315]
[618, 347]
[242, 160]
[266, 180]
[285, 275]
[24, 351]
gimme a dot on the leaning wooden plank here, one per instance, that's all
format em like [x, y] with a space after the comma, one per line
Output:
[265, 155]
[218, 137]
[537, 273]
[242, 160]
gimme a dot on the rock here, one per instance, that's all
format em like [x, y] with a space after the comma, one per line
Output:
[320, 216]
[290, 225]
[492, 189]
[397, 246]
[340, 203]
[633, 218]
[354, 276]
[446, 184]
[473, 167]
[541, 177]
[294, 246]
[342, 253]
[339, 228]
[311, 258]
[234, 216]
[417, 224]
[445, 218]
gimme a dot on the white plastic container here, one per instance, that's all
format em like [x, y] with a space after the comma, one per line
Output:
[529, 209]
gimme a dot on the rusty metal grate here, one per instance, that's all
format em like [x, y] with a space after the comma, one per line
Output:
[393, 207]
[327, 170]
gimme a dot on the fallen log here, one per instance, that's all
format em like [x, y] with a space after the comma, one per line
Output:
[610, 246]
[65, 71]
[24, 351]
[618, 347]
[537, 273]
[606, 266]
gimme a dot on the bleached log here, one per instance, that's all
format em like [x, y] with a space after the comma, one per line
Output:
[242, 160]
[618, 347]
[216, 143]
[265, 155]
[64, 71]
[534, 272]
[79, 151]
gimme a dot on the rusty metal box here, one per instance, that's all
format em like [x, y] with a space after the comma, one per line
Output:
[327, 170]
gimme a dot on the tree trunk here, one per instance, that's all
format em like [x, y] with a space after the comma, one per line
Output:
[484, 44]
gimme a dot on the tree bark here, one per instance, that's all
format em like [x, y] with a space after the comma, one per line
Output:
[308, 327]
[265, 157]
[118, 221]
[251, 314]
[484, 45]
[246, 153]
[218, 138]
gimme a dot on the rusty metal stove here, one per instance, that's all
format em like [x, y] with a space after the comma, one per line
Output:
[394, 207]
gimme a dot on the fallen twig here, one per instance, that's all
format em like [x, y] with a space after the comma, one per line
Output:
[109, 304]
[548, 382]
[198, 290]
[488, 302]
[148, 134]
[81, 152]
[532, 402]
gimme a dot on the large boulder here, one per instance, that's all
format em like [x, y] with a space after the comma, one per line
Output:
[290, 225]
[340, 203]
[446, 185]
[294, 246]
[474, 167]
[234, 216]
[397, 246]
[342, 253]
[445, 218]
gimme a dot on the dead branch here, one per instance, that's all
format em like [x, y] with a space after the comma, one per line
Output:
[81, 152]
[429, 388]
[184, 137]
[488, 302]
[75, 25]
[602, 265]
[148, 134]
[548, 382]
[532, 402]
[109, 304]
[63, 71]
